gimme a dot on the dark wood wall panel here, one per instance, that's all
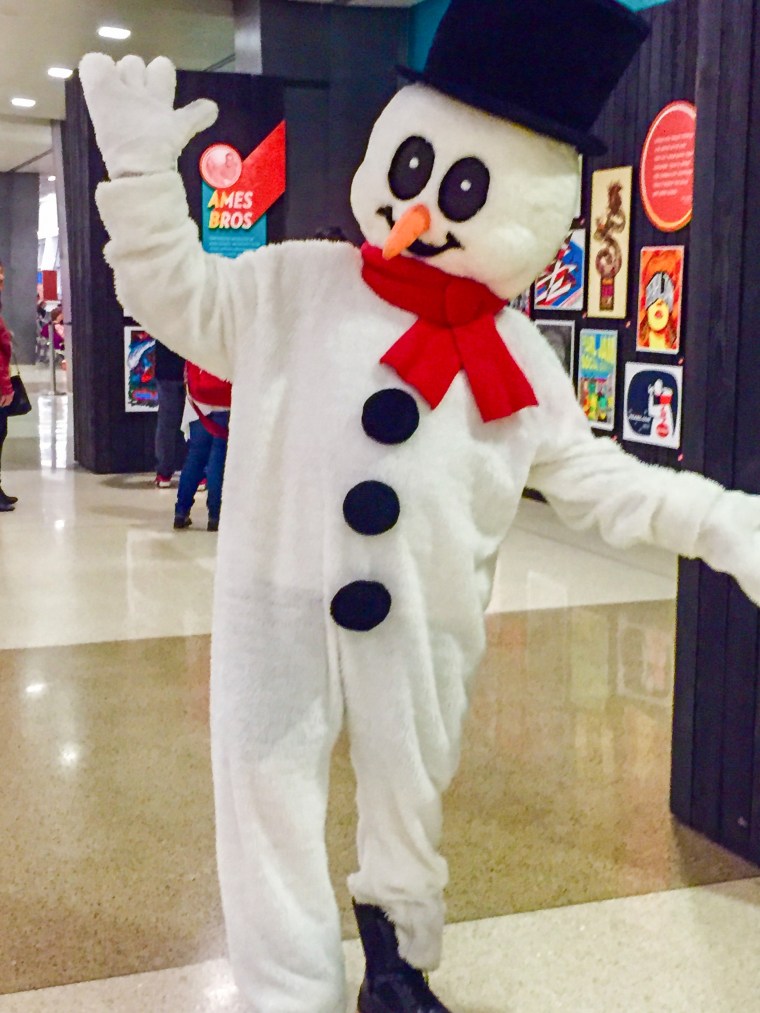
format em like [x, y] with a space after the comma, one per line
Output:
[106, 438]
[664, 71]
[715, 776]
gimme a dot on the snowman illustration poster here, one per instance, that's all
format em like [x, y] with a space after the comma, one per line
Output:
[660, 299]
[653, 405]
[561, 284]
[389, 409]
[609, 245]
[597, 376]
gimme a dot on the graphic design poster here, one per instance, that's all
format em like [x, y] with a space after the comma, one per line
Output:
[597, 374]
[561, 336]
[560, 287]
[522, 303]
[237, 192]
[660, 299]
[667, 167]
[610, 241]
[653, 402]
[140, 387]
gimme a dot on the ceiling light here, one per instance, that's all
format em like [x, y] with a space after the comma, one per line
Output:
[24, 103]
[51, 179]
[108, 32]
[62, 72]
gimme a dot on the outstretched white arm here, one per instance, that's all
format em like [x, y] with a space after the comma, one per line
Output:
[194, 302]
[593, 483]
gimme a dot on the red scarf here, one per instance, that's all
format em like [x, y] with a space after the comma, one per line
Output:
[455, 330]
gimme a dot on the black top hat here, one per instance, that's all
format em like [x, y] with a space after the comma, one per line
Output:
[549, 65]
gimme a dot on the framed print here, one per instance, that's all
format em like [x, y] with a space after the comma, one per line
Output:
[560, 286]
[560, 334]
[660, 299]
[140, 387]
[597, 376]
[609, 243]
[653, 405]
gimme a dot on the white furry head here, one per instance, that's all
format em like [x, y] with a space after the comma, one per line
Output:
[461, 155]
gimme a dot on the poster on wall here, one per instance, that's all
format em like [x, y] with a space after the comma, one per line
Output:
[653, 399]
[597, 375]
[140, 387]
[522, 303]
[560, 286]
[560, 335]
[660, 299]
[609, 243]
[667, 167]
[237, 192]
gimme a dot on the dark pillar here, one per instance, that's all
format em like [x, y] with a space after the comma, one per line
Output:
[106, 438]
[19, 218]
[338, 65]
[715, 785]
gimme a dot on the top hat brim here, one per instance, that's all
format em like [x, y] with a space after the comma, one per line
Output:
[586, 143]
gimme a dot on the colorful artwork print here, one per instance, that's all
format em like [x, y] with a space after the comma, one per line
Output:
[561, 284]
[653, 399]
[597, 375]
[609, 245]
[237, 192]
[560, 334]
[660, 299]
[522, 303]
[140, 387]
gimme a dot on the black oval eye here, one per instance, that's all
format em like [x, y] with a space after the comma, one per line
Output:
[411, 168]
[464, 189]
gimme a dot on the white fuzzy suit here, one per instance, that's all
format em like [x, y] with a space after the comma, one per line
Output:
[301, 336]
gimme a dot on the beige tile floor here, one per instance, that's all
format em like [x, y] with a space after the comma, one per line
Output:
[567, 872]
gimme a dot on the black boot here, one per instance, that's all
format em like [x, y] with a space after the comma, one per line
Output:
[7, 500]
[390, 984]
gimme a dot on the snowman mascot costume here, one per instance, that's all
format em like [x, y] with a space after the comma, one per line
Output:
[389, 410]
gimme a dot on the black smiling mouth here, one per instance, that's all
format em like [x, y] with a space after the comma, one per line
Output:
[418, 248]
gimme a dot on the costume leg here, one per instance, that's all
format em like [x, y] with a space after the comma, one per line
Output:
[198, 451]
[276, 712]
[406, 699]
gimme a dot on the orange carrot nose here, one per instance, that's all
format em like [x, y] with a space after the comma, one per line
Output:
[407, 229]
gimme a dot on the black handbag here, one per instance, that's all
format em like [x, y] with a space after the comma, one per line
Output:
[20, 405]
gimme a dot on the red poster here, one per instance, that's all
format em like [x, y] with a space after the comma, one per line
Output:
[667, 167]
[660, 299]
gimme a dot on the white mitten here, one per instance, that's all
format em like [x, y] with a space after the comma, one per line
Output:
[729, 540]
[137, 128]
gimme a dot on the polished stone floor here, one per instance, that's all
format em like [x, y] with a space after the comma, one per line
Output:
[572, 888]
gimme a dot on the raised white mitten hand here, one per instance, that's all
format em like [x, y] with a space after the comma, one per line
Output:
[137, 128]
[729, 540]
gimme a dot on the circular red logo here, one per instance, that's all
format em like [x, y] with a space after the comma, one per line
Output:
[221, 166]
[667, 167]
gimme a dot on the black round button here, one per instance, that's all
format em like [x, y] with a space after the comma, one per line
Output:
[361, 606]
[371, 508]
[390, 416]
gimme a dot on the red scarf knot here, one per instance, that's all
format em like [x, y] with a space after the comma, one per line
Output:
[456, 330]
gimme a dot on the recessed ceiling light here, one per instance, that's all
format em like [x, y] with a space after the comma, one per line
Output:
[51, 179]
[24, 103]
[108, 32]
[62, 72]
